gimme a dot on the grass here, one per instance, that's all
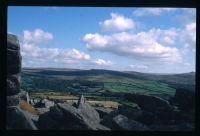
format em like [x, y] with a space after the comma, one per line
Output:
[93, 86]
[138, 86]
[107, 104]
[53, 95]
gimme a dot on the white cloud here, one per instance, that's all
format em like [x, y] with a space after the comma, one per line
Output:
[142, 45]
[188, 36]
[31, 52]
[165, 37]
[34, 55]
[102, 62]
[37, 36]
[152, 11]
[117, 23]
[53, 54]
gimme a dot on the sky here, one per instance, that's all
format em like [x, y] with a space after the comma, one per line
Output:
[149, 40]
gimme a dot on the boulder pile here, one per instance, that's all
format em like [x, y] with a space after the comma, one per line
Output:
[69, 117]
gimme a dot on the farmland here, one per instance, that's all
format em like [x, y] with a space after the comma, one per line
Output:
[100, 86]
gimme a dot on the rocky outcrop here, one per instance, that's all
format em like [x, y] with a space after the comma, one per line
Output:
[43, 104]
[121, 122]
[13, 65]
[103, 111]
[130, 112]
[150, 103]
[68, 117]
[14, 100]
[87, 111]
[16, 117]
[185, 99]
[81, 101]
[20, 119]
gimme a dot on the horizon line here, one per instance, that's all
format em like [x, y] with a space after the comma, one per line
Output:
[104, 69]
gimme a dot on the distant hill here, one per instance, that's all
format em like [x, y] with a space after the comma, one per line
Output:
[100, 80]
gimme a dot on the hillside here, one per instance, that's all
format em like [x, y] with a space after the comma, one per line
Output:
[96, 82]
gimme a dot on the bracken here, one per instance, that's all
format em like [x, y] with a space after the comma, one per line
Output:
[26, 106]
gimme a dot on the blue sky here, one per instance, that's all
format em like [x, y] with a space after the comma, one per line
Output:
[153, 40]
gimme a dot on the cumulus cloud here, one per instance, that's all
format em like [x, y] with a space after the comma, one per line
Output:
[152, 11]
[117, 23]
[32, 52]
[53, 54]
[102, 62]
[142, 45]
[188, 36]
[164, 36]
[37, 36]
[34, 55]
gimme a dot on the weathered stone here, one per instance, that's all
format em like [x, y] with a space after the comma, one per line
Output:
[39, 104]
[13, 62]
[13, 84]
[130, 112]
[67, 117]
[12, 42]
[150, 103]
[13, 100]
[121, 122]
[107, 120]
[49, 104]
[42, 110]
[89, 113]
[19, 119]
[147, 118]
[54, 119]
[35, 101]
[62, 116]
[24, 96]
[44, 104]
[185, 99]
[75, 116]
[47, 122]
[103, 111]
[81, 100]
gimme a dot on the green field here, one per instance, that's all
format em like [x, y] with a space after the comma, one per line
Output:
[101, 85]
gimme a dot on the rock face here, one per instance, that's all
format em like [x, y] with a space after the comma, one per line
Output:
[121, 122]
[44, 104]
[68, 117]
[13, 65]
[14, 100]
[81, 101]
[19, 119]
[150, 103]
[131, 113]
[103, 111]
[16, 117]
[87, 111]
[185, 99]
[13, 84]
